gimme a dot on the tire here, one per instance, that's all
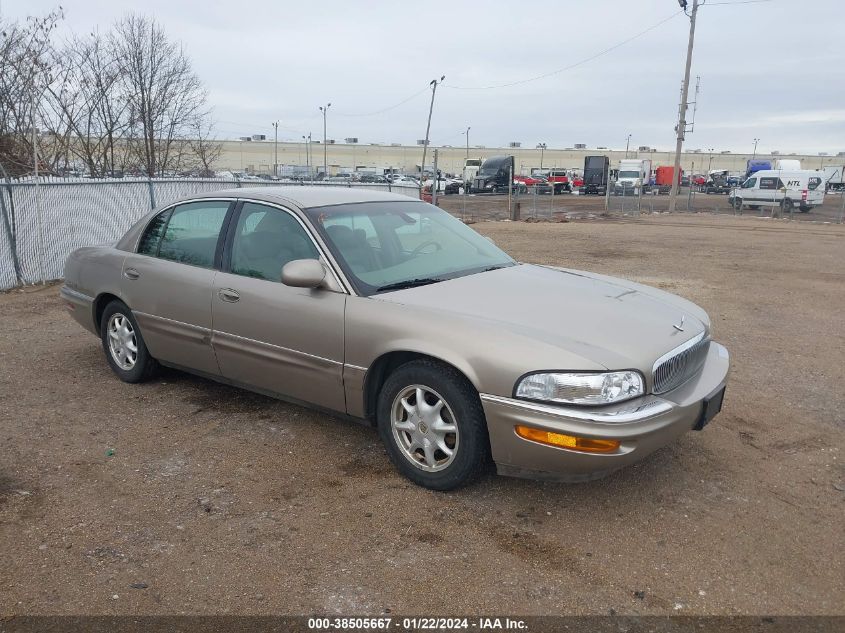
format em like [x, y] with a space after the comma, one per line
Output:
[461, 410]
[118, 325]
[787, 206]
[738, 204]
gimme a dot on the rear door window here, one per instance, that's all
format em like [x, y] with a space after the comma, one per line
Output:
[815, 181]
[192, 233]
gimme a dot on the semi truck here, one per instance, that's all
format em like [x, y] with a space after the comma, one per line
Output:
[494, 176]
[756, 165]
[596, 170]
[634, 175]
[663, 178]
[471, 169]
[834, 177]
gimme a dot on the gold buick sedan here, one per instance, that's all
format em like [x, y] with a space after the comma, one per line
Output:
[387, 310]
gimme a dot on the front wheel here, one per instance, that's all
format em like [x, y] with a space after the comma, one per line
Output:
[432, 425]
[124, 346]
[738, 204]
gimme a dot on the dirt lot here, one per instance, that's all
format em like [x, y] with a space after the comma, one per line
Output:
[184, 496]
[482, 207]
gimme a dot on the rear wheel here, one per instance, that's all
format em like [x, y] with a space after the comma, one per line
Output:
[432, 425]
[787, 205]
[124, 346]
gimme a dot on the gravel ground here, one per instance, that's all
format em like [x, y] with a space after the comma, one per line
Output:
[185, 496]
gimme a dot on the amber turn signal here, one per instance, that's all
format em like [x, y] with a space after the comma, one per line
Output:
[573, 443]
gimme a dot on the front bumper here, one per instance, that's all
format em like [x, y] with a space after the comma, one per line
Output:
[642, 426]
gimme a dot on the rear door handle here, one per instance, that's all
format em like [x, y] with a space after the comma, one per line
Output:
[131, 273]
[227, 294]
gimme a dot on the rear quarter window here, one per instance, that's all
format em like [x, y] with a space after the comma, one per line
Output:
[148, 245]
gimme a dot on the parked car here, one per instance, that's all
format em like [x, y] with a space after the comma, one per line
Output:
[384, 309]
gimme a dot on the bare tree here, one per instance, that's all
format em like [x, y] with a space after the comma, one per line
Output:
[206, 150]
[164, 95]
[25, 51]
[88, 99]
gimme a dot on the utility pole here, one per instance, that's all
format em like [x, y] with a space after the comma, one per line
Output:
[433, 85]
[325, 110]
[275, 148]
[307, 141]
[682, 113]
[754, 155]
[542, 148]
[627, 144]
[710, 162]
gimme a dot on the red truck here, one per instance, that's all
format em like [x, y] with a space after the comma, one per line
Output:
[559, 179]
[663, 178]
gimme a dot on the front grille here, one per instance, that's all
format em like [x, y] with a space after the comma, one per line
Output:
[682, 363]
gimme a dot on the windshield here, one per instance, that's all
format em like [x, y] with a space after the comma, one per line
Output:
[629, 174]
[382, 246]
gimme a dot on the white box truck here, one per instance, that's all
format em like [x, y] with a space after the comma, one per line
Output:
[634, 174]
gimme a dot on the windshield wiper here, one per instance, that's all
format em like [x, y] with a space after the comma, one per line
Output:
[408, 283]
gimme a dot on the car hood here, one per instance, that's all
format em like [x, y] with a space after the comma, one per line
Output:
[616, 323]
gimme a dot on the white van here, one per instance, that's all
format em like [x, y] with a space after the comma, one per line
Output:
[801, 188]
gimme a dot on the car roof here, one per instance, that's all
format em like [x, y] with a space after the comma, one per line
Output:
[306, 197]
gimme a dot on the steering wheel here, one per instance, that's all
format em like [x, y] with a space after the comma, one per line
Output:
[418, 249]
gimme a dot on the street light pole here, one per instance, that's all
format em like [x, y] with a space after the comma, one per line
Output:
[754, 155]
[710, 162]
[325, 110]
[627, 144]
[275, 148]
[542, 148]
[467, 133]
[433, 85]
[682, 112]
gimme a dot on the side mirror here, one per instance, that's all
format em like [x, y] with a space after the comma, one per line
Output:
[304, 273]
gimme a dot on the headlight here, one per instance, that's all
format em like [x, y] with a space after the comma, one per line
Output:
[577, 388]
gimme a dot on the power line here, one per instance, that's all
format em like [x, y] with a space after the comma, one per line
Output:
[571, 66]
[716, 4]
[383, 110]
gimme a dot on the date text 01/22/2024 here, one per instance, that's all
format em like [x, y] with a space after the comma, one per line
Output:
[416, 624]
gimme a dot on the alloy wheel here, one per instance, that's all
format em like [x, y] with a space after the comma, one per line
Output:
[122, 342]
[424, 428]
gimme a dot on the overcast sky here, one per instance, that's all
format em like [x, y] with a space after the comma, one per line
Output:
[773, 70]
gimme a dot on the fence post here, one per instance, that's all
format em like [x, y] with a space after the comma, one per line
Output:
[9, 225]
[842, 209]
[152, 193]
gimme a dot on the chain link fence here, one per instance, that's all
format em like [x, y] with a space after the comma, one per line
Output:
[42, 222]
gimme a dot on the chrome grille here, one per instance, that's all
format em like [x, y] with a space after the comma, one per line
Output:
[679, 365]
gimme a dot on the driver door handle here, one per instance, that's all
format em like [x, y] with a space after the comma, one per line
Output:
[131, 273]
[229, 295]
